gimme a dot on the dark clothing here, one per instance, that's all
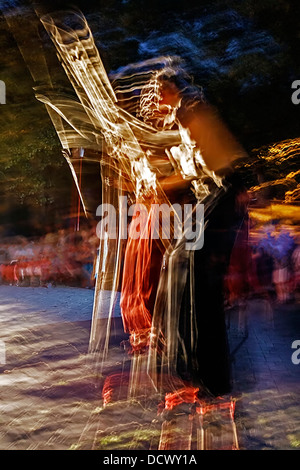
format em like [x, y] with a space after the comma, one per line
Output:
[209, 359]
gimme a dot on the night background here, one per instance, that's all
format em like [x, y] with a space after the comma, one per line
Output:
[53, 394]
[245, 55]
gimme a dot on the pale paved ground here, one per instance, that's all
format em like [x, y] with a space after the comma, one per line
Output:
[50, 393]
[266, 381]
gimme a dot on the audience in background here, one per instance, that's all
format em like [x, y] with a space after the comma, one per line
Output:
[68, 257]
[64, 257]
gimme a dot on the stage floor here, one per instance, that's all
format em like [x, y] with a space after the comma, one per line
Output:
[51, 396]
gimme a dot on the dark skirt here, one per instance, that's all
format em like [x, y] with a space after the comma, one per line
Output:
[207, 362]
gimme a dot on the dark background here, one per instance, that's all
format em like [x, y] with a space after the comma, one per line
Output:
[245, 55]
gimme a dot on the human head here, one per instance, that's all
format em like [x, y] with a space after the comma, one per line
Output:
[162, 96]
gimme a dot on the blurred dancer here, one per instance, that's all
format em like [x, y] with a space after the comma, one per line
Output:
[202, 352]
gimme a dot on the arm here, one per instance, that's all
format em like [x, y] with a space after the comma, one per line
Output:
[174, 182]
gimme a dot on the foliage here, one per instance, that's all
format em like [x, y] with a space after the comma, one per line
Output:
[244, 54]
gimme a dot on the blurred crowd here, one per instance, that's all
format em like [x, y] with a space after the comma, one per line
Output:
[65, 257]
[267, 266]
[69, 258]
[277, 261]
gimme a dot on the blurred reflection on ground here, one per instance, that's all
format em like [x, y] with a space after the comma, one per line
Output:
[51, 397]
